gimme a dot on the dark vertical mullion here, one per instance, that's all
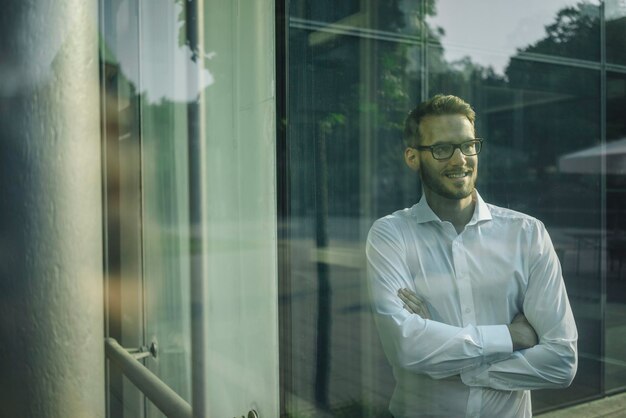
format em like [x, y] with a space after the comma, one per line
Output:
[324, 291]
[603, 203]
[283, 200]
[139, 133]
[424, 52]
[198, 286]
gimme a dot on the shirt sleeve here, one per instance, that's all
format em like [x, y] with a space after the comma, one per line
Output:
[410, 341]
[552, 363]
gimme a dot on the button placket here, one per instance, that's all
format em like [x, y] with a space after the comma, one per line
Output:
[463, 282]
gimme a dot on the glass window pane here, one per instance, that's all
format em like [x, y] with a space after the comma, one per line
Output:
[359, 17]
[148, 162]
[559, 28]
[201, 163]
[615, 327]
[349, 98]
[615, 16]
[166, 244]
[534, 77]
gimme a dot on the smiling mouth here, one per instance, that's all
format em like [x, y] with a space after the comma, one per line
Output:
[458, 175]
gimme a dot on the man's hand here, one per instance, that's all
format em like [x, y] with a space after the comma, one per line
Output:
[522, 333]
[413, 304]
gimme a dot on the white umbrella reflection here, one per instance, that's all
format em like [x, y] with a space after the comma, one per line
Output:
[590, 160]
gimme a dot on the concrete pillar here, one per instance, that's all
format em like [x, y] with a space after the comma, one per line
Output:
[51, 318]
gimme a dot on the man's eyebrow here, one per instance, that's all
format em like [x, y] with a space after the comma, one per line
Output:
[450, 142]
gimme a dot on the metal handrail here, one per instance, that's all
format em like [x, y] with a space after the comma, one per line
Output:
[168, 401]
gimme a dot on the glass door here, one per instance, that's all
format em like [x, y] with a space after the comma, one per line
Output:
[190, 148]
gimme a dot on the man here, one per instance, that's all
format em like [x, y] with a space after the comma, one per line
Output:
[468, 297]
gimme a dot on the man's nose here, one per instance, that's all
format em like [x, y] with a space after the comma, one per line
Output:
[458, 157]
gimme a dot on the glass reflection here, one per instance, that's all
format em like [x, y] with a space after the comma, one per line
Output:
[533, 73]
[615, 314]
[615, 15]
[496, 30]
[146, 71]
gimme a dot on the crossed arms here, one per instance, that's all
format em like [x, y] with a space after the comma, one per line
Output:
[523, 335]
[537, 350]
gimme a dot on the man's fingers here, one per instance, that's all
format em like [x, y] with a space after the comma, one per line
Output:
[409, 305]
[522, 333]
[413, 309]
[411, 301]
[411, 296]
[413, 304]
[424, 313]
[408, 308]
[520, 318]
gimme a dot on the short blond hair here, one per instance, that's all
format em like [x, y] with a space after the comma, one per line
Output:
[436, 105]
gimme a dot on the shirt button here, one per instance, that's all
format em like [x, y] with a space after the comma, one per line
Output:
[468, 310]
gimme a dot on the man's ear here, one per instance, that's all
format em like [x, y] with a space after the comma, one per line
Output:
[412, 159]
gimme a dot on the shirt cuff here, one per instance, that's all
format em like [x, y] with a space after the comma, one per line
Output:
[476, 377]
[496, 340]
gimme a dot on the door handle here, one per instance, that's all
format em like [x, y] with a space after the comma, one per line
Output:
[144, 351]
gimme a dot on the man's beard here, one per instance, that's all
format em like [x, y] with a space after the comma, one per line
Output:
[437, 186]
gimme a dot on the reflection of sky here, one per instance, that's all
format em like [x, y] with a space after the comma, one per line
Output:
[164, 69]
[490, 31]
[614, 9]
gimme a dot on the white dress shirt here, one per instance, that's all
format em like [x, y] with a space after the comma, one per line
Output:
[461, 363]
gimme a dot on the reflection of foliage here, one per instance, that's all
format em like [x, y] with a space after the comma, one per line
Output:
[576, 30]
[392, 94]
[182, 19]
[574, 122]
[390, 102]
[390, 15]
[389, 66]
[462, 74]
[330, 121]
[561, 109]
[184, 36]
[616, 40]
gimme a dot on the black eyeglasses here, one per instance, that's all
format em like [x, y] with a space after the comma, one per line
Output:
[445, 150]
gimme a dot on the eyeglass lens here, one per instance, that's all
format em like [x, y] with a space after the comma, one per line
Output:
[468, 148]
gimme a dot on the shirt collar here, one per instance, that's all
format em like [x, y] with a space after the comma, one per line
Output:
[481, 211]
[423, 213]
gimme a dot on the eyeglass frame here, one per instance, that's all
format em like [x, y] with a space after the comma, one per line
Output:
[454, 148]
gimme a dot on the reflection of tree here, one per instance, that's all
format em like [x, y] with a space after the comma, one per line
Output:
[616, 40]
[570, 119]
[561, 107]
[576, 31]
[187, 31]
